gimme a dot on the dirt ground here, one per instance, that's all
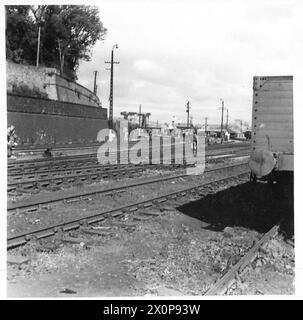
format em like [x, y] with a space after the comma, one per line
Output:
[178, 252]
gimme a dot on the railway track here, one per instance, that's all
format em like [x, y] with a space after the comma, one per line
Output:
[216, 175]
[21, 169]
[59, 176]
[37, 162]
[40, 180]
[35, 202]
[18, 166]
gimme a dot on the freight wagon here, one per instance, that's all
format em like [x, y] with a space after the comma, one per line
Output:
[272, 141]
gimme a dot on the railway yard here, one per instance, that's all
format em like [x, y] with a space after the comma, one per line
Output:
[150, 154]
[79, 228]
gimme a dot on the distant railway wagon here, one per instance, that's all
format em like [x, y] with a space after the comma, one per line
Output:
[272, 141]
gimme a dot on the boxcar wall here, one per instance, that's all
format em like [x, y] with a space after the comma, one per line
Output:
[272, 119]
[47, 123]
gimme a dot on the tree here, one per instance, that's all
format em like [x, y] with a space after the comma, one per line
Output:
[68, 33]
[20, 34]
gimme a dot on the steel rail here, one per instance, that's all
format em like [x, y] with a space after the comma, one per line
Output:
[32, 173]
[21, 163]
[222, 285]
[53, 198]
[89, 173]
[79, 174]
[30, 162]
[64, 169]
[47, 231]
[97, 145]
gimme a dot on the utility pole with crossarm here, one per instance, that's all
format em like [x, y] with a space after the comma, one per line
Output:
[187, 110]
[111, 94]
[222, 110]
[95, 82]
[205, 124]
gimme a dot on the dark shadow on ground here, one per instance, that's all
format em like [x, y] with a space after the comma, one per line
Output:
[257, 206]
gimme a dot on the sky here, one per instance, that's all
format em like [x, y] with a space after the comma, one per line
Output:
[171, 52]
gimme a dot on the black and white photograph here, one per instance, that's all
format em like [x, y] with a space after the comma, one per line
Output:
[150, 150]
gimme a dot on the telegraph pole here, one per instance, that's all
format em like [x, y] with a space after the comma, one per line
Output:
[111, 94]
[187, 110]
[205, 125]
[95, 82]
[38, 47]
[140, 116]
[222, 121]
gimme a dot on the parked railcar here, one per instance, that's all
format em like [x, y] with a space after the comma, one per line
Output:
[272, 142]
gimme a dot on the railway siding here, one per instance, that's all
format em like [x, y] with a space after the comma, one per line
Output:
[173, 251]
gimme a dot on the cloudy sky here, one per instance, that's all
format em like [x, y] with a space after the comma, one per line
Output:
[174, 51]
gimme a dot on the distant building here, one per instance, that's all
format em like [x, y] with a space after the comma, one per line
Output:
[235, 135]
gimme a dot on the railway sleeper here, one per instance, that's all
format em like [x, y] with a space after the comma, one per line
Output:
[16, 243]
[148, 204]
[72, 200]
[141, 218]
[28, 186]
[71, 227]
[30, 209]
[48, 246]
[73, 240]
[150, 213]
[162, 200]
[15, 178]
[118, 213]
[132, 209]
[43, 175]
[58, 182]
[95, 232]
[166, 208]
[86, 198]
[45, 184]
[95, 220]
[11, 188]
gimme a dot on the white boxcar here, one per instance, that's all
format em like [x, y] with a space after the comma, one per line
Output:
[272, 147]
